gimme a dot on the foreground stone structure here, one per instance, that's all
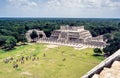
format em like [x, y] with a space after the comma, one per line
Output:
[109, 68]
[75, 36]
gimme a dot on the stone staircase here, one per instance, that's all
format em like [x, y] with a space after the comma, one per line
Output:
[109, 68]
[112, 72]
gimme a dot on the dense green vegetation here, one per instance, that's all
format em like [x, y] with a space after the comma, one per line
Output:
[58, 62]
[114, 46]
[7, 42]
[17, 27]
[97, 52]
[33, 35]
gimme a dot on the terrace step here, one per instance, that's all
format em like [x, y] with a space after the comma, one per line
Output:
[95, 76]
[112, 72]
[116, 65]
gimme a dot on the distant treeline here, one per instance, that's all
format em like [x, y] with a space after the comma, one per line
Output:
[17, 27]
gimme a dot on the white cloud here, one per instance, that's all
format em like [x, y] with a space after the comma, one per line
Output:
[82, 8]
[83, 3]
[64, 8]
[22, 3]
[113, 4]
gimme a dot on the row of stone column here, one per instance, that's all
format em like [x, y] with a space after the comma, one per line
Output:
[90, 44]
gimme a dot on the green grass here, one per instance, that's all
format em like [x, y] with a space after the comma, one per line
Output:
[59, 62]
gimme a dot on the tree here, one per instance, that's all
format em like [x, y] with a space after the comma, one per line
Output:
[107, 37]
[22, 38]
[10, 43]
[117, 35]
[33, 35]
[7, 42]
[113, 46]
[2, 40]
[97, 51]
[118, 24]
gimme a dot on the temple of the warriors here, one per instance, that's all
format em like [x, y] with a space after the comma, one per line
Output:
[69, 36]
[71, 33]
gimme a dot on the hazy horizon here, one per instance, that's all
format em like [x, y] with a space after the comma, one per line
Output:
[58, 17]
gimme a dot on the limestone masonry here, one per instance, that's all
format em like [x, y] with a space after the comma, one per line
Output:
[69, 36]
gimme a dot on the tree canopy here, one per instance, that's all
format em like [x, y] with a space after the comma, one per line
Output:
[33, 35]
[7, 42]
[114, 44]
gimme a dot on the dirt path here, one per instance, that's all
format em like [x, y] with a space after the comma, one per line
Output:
[51, 46]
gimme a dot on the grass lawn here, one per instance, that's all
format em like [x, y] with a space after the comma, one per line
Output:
[59, 62]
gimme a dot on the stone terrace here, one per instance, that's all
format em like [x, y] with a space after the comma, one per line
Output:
[109, 68]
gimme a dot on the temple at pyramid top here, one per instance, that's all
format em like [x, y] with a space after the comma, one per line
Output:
[72, 28]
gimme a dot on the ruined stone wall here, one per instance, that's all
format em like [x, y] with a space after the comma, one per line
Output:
[73, 28]
[38, 33]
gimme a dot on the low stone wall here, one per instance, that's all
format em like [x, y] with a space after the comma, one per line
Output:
[106, 63]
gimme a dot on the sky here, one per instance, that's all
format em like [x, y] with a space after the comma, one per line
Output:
[60, 8]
